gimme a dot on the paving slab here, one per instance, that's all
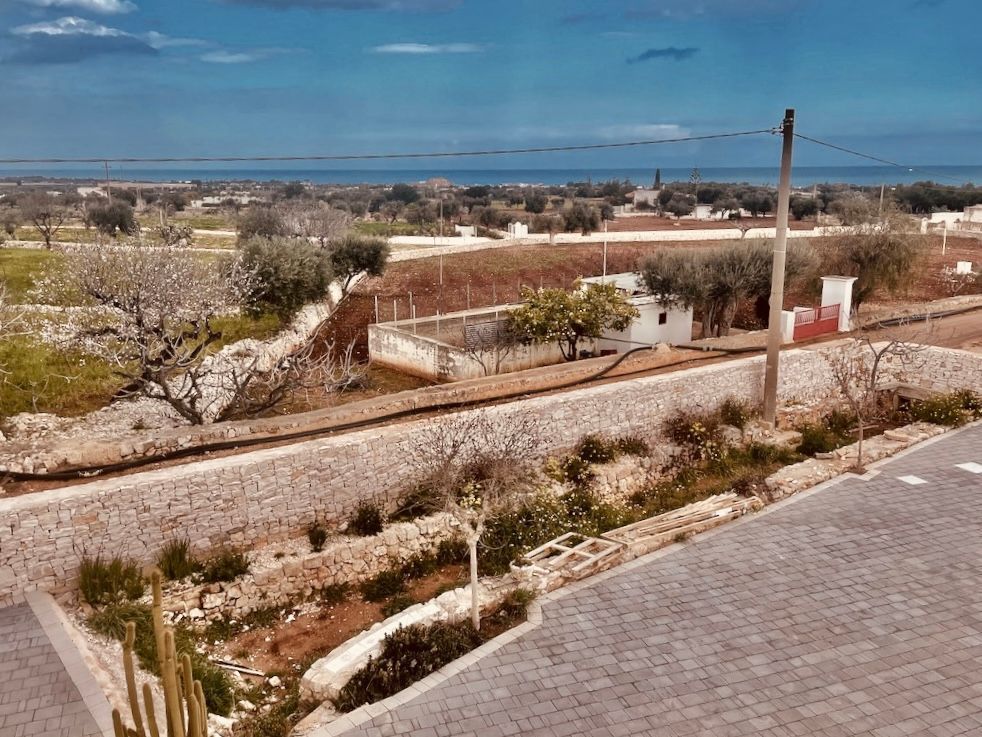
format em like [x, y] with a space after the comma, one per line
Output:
[45, 688]
[855, 610]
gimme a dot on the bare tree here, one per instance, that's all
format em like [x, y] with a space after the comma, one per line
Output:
[45, 214]
[858, 369]
[12, 321]
[315, 221]
[490, 345]
[479, 465]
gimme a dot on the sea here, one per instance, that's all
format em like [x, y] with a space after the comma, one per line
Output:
[803, 176]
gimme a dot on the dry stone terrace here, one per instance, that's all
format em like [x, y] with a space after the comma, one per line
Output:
[853, 610]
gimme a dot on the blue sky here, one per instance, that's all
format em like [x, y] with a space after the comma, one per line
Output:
[899, 78]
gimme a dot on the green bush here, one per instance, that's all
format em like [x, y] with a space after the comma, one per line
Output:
[817, 438]
[396, 604]
[576, 471]
[697, 433]
[419, 565]
[111, 622]
[176, 561]
[516, 604]
[452, 551]
[952, 409]
[334, 593]
[109, 582]
[735, 412]
[632, 445]
[366, 520]
[595, 449]
[226, 566]
[383, 585]
[408, 654]
[289, 273]
[317, 536]
[418, 501]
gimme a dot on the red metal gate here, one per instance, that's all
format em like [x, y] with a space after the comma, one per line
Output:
[816, 321]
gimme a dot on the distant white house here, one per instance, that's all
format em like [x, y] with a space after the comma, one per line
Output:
[656, 323]
[239, 198]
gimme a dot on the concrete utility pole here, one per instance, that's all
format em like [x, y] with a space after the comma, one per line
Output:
[109, 190]
[777, 273]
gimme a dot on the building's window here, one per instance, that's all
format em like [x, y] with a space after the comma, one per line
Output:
[662, 318]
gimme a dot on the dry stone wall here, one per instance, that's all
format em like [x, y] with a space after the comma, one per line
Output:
[345, 560]
[273, 494]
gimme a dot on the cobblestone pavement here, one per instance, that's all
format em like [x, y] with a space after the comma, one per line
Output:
[38, 692]
[856, 610]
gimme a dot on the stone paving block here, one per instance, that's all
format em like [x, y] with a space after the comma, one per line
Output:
[855, 611]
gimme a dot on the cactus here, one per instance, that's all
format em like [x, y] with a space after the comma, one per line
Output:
[184, 701]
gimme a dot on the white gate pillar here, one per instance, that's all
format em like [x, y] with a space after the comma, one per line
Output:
[837, 290]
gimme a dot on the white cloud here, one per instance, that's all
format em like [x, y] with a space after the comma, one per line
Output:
[109, 7]
[230, 57]
[647, 131]
[68, 26]
[419, 49]
[160, 41]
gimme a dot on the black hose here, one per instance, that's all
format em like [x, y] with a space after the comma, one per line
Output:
[72, 474]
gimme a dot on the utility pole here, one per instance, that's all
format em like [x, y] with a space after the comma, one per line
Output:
[109, 191]
[777, 273]
[883, 188]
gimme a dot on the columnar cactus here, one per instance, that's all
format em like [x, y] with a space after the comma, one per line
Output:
[184, 700]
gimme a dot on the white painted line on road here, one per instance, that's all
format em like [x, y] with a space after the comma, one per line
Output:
[970, 467]
[912, 480]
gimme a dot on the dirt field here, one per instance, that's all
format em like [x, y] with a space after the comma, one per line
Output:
[653, 222]
[485, 278]
[275, 649]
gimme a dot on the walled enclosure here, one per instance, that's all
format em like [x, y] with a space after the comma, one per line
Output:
[274, 494]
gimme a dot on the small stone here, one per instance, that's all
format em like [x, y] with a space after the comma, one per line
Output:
[196, 614]
[247, 705]
[274, 681]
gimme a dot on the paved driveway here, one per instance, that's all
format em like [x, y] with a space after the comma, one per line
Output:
[856, 610]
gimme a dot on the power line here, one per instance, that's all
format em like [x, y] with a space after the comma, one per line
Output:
[870, 157]
[368, 157]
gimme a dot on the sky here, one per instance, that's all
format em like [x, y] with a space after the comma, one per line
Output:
[900, 79]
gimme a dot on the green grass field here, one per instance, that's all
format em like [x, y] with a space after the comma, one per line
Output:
[371, 227]
[39, 378]
[20, 267]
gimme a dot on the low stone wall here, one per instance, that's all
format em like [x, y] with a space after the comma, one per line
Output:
[105, 436]
[274, 494]
[344, 560]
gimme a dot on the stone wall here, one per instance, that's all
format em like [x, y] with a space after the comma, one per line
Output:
[273, 494]
[344, 560]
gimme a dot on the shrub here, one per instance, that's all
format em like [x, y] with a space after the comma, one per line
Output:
[175, 560]
[698, 434]
[632, 445]
[408, 654]
[396, 604]
[735, 412]
[595, 449]
[334, 593]
[226, 566]
[816, 438]
[109, 582]
[383, 585]
[419, 565]
[111, 622]
[451, 551]
[418, 501]
[576, 471]
[366, 520]
[516, 604]
[289, 273]
[953, 409]
[317, 536]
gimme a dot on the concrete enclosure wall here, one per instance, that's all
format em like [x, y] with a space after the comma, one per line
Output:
[275, 493]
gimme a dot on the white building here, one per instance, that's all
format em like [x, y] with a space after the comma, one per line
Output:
[657, 323]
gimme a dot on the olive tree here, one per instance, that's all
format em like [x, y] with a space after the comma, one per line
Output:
[882, 256]
[353, 255]
[288, 273]
[718, 280]
[46, 214]
[113, 218]
[567, 318]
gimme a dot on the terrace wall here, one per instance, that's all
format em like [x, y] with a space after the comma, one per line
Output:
[273, 494]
